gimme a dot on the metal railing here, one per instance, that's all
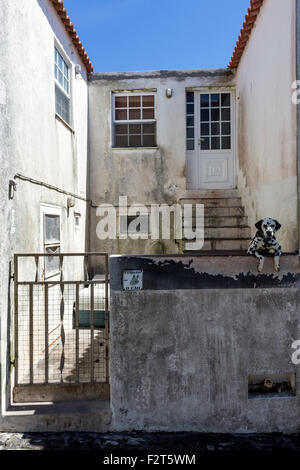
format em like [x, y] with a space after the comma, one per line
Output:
[61, 327]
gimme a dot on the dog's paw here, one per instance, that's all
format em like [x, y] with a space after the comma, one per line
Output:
[277, 268]
[260, 267]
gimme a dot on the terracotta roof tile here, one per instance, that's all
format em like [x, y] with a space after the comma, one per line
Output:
[62, 12]
[245, 33]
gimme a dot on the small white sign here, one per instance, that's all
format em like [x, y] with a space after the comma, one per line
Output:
[132, 280]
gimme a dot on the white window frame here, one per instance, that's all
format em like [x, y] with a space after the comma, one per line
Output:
[133, 121]
[46, 209]
[68, 95]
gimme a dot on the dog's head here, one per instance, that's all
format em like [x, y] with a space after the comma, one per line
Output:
[268, 227]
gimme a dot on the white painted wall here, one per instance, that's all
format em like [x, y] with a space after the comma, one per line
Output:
[34, 143]
[267, 174]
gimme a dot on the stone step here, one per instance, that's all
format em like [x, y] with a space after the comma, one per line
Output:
[227, 221]
[215, 245]
[215, 202]
[210, 193]
[223, 211]
[228, 232]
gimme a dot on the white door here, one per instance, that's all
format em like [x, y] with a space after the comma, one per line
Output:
[210, 140]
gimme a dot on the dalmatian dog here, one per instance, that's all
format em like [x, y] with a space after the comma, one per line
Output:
[265, 242]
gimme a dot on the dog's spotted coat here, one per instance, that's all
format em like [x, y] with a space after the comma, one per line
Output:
[265, 242]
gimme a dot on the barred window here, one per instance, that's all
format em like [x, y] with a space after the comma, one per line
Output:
[134, 120]
[62, 86]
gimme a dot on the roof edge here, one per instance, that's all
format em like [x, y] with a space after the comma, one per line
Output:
[69, 27]
[248, 25]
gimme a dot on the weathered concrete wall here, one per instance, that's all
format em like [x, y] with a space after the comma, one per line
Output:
[145, 175]
[34, 143]
[267, 174]
[182, 349]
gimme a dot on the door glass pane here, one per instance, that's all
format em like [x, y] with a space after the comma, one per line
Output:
[225, 114]
[205, 128]
[204, 114]
[215, 143]
[190, 144]
[215, 128]
[226, 143]
[205, 143]
[204, 101]
[215, 100]
[225, 99]
[215, 114]
[226, 128]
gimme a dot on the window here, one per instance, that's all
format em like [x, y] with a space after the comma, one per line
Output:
[134, 120]
[215, 121]
[62, 86]
[51, 241]
[190, 121]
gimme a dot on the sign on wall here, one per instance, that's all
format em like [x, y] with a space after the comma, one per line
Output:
[132, 280]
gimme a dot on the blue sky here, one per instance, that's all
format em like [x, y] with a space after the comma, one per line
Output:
[129, 35]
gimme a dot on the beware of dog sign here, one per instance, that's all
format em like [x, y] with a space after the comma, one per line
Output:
[132, 280]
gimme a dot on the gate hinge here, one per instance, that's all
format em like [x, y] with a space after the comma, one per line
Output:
[12, 277]
[12, 363]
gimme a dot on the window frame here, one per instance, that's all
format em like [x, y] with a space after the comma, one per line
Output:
[141, 93]
[48, 210]
[58, 48]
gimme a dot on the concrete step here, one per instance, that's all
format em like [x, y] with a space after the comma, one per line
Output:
[234, 221]
[215, 245]
[215, 202]
[223, 211]
[209, 193]
[227, 232]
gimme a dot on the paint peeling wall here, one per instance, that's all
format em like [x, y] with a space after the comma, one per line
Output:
[146, 176]
[267, 173]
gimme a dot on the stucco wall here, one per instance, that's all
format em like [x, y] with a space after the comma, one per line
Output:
[267, 173]
[34, 143]
[183, 348]
[146, 176]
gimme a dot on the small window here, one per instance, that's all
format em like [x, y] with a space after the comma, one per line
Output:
[62, 86]
[134, 121]
[51, 244]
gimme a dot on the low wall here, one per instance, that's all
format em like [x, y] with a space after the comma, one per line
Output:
[185, 346]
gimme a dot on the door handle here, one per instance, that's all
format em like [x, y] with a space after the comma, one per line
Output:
[201, 140]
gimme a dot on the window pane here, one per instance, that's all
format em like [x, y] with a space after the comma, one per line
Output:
[204, 101]
[135, 141]
[190, 121]
[148, 113]
[121, 114]
[225, 99]
[215, 128]
[190, 144]
[121, 141]
[149, 141]
[190, 132]
[51, 228]
[122, 129]
[225, 128]
[135, 129]
[148, 101]
[52, 262]
[226, 143]
[134, 101]
[215, 143]
[149, 128]
[189, 109]
[190, 97]
[62, 104]
[60, 78]
[215, 114]
[121, 101]
[205, 129]
[225, 114]
[204, 114]
[215, 100]
[205, 143]
[134, 114]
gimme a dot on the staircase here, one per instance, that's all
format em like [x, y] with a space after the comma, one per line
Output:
[226, 226]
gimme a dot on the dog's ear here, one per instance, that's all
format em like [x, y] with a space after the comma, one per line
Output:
[258, 224]
[278, 225]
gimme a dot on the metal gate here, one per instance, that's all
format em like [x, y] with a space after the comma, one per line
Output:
[61, 326]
